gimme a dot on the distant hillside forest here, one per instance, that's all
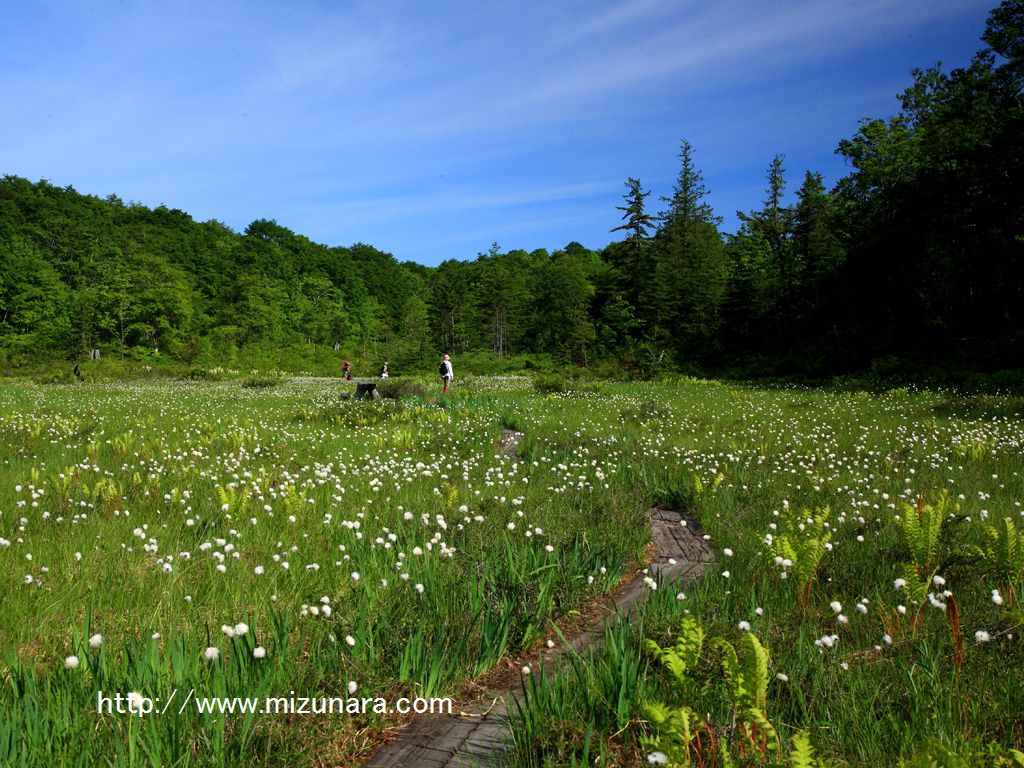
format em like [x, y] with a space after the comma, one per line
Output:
[917, 253]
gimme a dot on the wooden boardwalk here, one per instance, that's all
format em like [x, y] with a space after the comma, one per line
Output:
[483, 738]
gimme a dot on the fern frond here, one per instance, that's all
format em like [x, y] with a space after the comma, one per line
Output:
[684, 654]
[690, 643]
[802, 755]
[756, 669]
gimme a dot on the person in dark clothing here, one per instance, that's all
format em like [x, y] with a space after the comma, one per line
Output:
[445, 369]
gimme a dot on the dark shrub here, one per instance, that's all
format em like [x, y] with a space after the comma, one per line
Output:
[398, 388]
[548, 383]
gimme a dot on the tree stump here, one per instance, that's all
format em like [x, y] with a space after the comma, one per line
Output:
[367, 389]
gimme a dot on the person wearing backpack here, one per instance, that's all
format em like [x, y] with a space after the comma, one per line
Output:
[445, 369]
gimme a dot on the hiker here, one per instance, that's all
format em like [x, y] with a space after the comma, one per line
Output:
[346, 370]
[445, 369]
[384, 370]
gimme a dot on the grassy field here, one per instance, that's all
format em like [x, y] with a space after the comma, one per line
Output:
[256, 540]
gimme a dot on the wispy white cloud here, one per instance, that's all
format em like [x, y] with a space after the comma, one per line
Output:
[375, 208]
[417, 120]
[699, 49]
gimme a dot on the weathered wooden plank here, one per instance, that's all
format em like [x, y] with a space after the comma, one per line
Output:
[453, 742]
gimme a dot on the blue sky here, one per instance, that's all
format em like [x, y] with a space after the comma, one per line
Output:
[431, 130]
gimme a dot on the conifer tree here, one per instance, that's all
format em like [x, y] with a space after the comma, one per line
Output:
[817, 251]
[632, 258]
[637, 221]
[773, 224]
[683, 301]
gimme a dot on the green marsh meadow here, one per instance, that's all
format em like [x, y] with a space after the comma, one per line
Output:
[162, 538]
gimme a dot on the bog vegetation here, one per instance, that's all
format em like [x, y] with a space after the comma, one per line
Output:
[252, 541]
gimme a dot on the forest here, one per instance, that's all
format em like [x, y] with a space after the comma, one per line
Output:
[915, 255]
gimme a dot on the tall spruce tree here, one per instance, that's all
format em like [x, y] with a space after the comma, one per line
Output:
[773, 224]
[637, 222]
[682, 303]
[631, 259]
[817, 255]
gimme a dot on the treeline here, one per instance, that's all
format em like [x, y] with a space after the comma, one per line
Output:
[916, 253]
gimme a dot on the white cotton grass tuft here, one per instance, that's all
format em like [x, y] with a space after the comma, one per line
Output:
[212, 653]
[71, 662]
[96, 641]
[937, 601]
[826, 641]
